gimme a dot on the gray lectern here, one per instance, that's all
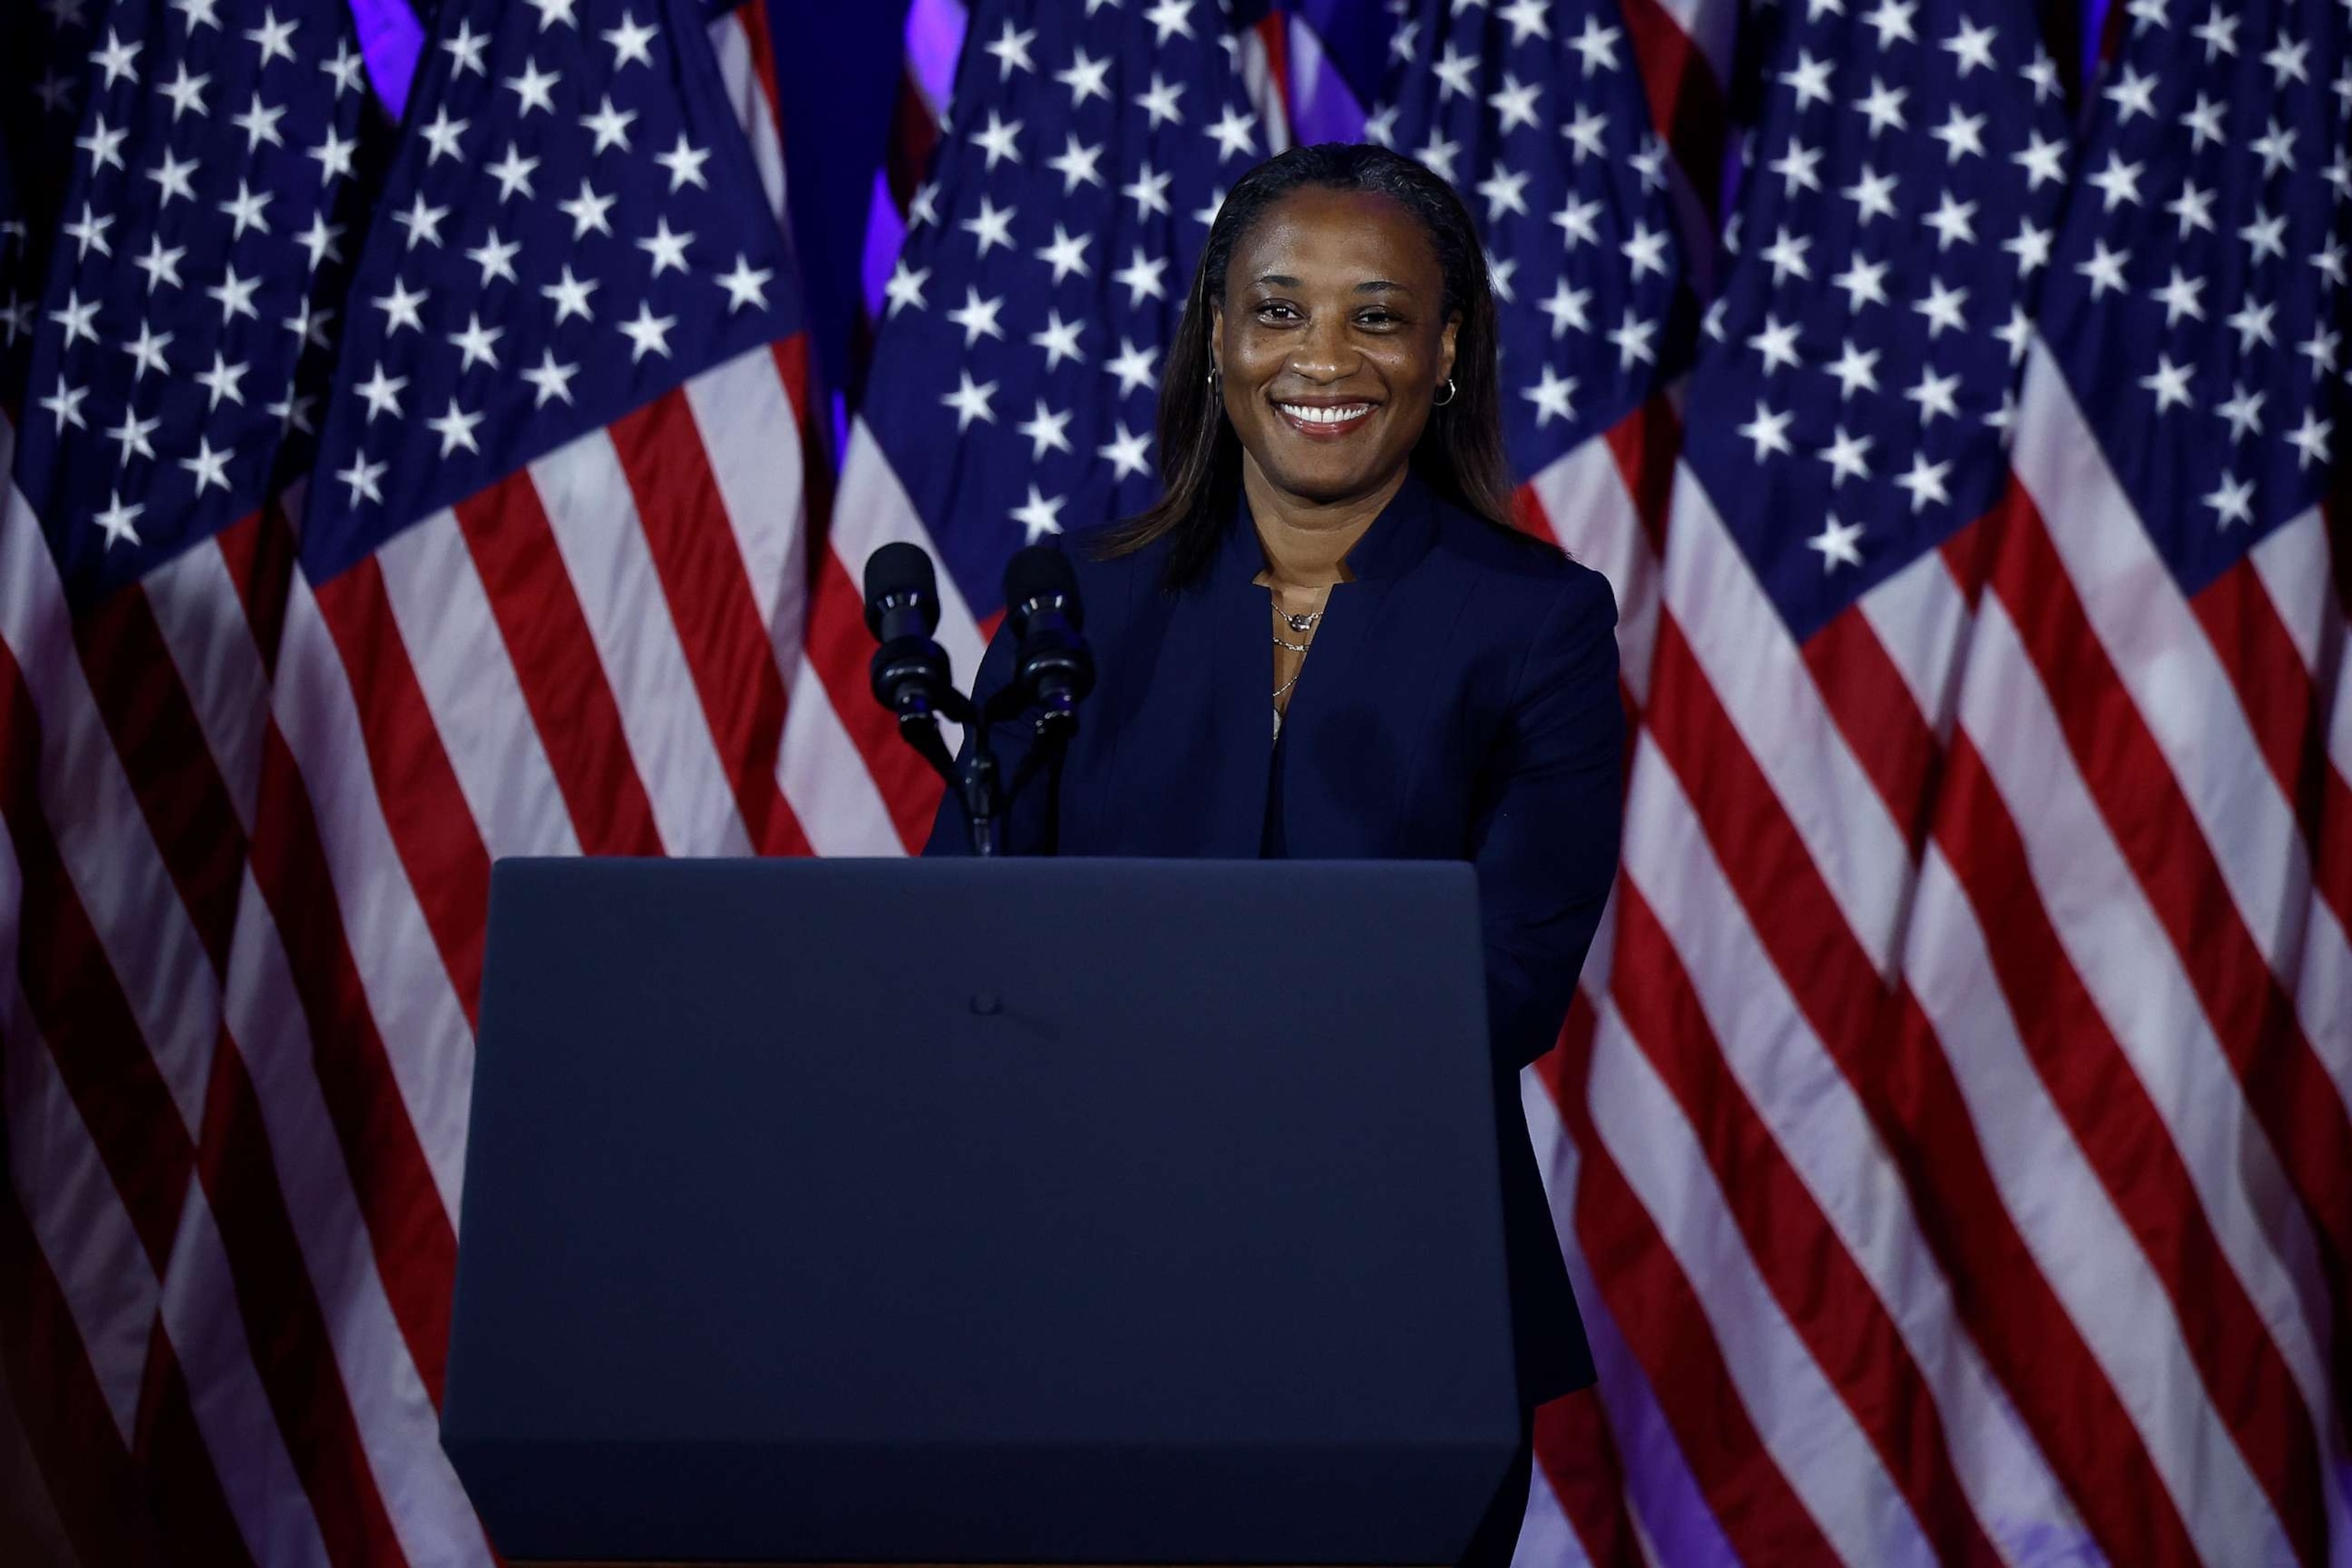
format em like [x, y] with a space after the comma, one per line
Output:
[1025, 1211]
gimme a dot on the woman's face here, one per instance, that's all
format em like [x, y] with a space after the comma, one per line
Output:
[1332, 341]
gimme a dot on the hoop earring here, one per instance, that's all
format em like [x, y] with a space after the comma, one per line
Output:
[1452, 392]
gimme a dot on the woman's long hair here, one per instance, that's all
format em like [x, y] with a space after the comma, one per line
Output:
[1460, 453]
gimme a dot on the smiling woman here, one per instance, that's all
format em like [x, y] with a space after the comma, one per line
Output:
[1334, 534]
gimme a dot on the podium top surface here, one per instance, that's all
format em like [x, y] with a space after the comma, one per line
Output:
[835, 1159]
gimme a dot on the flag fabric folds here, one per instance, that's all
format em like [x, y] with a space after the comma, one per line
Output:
[271, 709]
[1014, 380]
[1951, 1140]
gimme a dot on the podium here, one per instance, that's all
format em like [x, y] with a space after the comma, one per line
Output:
[983, 1211]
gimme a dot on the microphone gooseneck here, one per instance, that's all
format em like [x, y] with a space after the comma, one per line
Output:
[1053, 672]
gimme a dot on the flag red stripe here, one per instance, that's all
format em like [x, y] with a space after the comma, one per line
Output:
[1873, 710]
[90, 1475]
[178, 1465]
[1578, 1456]
[1829, 1300]
[1646, 444]
[753, 16]
[563, 676]
[838, 650]
[1916, 1103]
[431, 826]
[1654, 1304]
[2284, 708]
[799, 377]
[2121, 1134]
[712, 606]
[153, 723]
[260, 554]
[149, 711]
[77, 999]
[408, 1229]
[1687, 103]
[2251, 1014]
[283, 1321]
[914, 135]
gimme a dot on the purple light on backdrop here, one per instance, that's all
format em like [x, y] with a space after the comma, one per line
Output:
[935, 30]
[391, 39]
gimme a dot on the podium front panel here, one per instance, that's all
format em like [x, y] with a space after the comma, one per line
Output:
[1016, 1211]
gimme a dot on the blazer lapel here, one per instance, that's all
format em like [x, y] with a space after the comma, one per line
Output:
[1222, 627]
[1356, 710]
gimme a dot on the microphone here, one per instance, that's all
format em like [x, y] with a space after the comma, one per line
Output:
[910, 670]
[1053, 666]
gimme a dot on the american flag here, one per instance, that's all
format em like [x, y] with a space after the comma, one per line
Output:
[543, 597]
[1017, 374]
[1950, 1142]
[1951, 1137]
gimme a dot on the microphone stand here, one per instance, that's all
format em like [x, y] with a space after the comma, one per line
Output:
[978, 781]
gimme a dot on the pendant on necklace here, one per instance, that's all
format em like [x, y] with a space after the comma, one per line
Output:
[1278, 723]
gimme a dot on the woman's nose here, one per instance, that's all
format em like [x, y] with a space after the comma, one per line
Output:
[1321, 352]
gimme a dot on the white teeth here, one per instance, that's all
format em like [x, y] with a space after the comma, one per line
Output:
[1320, 414]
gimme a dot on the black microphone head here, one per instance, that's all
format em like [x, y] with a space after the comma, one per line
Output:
[902, 572]
[1041, 572]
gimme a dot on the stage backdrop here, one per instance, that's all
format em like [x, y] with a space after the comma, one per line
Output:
[437, 432]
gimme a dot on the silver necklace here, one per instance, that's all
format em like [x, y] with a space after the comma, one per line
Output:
[1301, 626]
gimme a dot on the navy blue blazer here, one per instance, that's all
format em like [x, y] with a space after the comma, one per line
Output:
[1460, 703]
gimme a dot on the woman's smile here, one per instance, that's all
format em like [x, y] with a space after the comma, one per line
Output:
[1325, 420]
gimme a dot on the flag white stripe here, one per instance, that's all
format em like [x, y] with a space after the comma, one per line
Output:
[203, 622]
[1821, 1127]
[1659, 1484]
[427, 1037]
[594, 516]
[2080, 1244]
[470, 683]
[1592, 515]
[1752, 663]
[69, 1199]
[2163, 658]
[398, 1427]
[2115, 944]
[1801, 1420]
[873, 510]
[744, 412]
[1546, 1538]
[2322, 993]
[824, 777]
[240, 1430]
[740, 78]
[2295, 571]
[1922, 620]
[167, 979]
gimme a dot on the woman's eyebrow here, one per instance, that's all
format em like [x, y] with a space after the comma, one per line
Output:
[1370, 286]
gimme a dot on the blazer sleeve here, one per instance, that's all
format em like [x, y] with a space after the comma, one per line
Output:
[1545, 836]
[1023, 830]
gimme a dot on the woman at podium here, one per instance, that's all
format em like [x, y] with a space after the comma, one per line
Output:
[1327, 641]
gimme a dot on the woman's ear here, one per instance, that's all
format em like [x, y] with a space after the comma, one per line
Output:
[1446, 347]
[1216, 335]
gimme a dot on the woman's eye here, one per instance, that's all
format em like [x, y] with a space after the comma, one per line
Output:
[1376, 319]
[1276, 312]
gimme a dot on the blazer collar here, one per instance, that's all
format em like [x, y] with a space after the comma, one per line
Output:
[1403, 532]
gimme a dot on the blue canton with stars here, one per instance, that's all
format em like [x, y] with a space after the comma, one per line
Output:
[1533, 110]
[572, 227]
[1090, 143]
[2197, 300]
[1855, 387]
[191, 286]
